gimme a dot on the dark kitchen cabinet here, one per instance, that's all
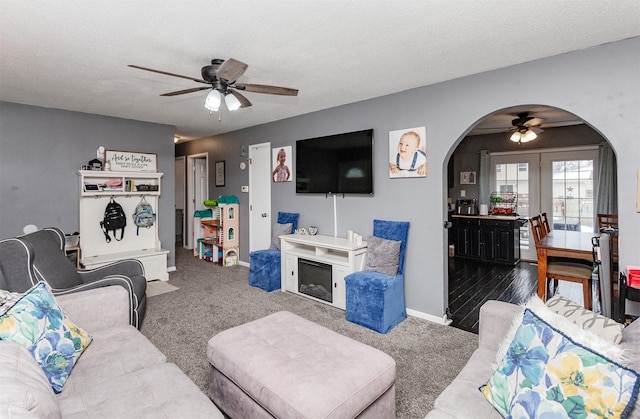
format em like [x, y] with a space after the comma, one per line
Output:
[487, 238]
[468, 237]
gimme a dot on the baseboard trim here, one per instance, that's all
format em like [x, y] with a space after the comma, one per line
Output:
[245, 264]
[440, 320]
[171, 269]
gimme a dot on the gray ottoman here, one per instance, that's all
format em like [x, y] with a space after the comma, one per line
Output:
[285, 366]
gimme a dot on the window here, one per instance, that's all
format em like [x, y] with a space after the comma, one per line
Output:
[573, 203]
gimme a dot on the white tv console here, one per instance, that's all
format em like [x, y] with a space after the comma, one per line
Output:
[343, 255]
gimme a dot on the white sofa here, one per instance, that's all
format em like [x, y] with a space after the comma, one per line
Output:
[120, 375]
[462, 399]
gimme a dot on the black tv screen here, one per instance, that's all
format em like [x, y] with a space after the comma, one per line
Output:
[336, 164]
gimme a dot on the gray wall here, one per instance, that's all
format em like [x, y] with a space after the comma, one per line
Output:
[41, 150]
[600, 85]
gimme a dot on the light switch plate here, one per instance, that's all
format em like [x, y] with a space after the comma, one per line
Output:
[463, 193]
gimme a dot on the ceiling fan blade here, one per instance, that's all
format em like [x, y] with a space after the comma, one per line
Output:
[263, 88]
[182, 92]
[231, 69]
[244, 102]
[167, 74]
[534, 121]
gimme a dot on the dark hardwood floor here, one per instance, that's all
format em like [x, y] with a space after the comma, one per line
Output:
[471, 283]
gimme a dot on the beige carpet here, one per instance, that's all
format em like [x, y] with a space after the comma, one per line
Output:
[159, 287]
[212, 298]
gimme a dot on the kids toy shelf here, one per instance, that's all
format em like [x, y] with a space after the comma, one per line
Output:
[217, 238]
[96, 188]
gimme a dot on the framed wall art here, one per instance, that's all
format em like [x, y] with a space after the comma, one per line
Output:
[408, 153]
[219, 167]
[281, 171]
[467, 178]
[130, 161]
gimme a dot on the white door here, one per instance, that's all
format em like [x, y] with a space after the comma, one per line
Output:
[201, 191]
[519, 173]
[197, 187]
[180, 197]
[259, 196]
[568, 182]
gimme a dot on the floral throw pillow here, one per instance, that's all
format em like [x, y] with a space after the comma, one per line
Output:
[37, 322]
[547, 374]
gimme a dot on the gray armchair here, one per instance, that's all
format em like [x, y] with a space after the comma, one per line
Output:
[40, 256]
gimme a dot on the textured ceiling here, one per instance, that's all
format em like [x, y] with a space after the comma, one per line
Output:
[73, 54]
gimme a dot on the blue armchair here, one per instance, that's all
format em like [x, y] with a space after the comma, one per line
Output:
[264, 265]
[376, 300]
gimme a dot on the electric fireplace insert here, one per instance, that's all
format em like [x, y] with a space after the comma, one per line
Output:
[314, 279]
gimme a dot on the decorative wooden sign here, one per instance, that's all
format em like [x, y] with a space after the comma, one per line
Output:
[130, 161]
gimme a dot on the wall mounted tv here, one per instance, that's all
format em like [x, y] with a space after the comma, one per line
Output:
[336, 164]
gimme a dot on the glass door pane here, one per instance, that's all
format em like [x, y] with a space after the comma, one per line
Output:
[519, 174]
[569, 188]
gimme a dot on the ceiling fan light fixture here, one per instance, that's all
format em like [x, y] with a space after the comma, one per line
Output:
[212, 103]
[231, 101]
[523, 136]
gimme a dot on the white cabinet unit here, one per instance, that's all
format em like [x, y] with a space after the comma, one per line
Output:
[127, 189]
[327, 260]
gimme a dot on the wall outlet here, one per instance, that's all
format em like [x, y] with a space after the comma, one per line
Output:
[245, 189]
[463, 193]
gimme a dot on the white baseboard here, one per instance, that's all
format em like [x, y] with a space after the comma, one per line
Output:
[440, 320]
[245, 264]
[171, 269]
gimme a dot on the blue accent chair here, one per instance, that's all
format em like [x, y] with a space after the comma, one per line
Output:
[264, 265]
[376, 300]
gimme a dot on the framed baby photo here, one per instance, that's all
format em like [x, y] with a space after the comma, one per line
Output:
[408, 153]
[282, 164]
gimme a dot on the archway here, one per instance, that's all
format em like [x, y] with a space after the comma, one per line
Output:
[560, 131]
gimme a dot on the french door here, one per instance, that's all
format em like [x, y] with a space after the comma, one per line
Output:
[558, 182]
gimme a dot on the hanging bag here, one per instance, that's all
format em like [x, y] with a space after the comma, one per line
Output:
[143, 215]
[114, 219]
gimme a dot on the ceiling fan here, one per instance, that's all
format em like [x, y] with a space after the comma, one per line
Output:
[221, 78]
[525, 128]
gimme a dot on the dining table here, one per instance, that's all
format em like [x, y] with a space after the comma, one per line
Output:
[562, 243]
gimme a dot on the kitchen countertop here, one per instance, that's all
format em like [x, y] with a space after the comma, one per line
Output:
[489, 217]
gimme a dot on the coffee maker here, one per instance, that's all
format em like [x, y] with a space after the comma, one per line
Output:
[467, 207]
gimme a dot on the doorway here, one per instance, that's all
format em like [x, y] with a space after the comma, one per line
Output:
[197, 191]
[557, 180]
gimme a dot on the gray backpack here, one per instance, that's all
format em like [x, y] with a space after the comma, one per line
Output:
[143, 216]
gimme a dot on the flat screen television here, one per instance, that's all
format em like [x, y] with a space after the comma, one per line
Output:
[336, 164]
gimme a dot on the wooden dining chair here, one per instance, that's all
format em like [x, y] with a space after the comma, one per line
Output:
[562, 269]
[545, 222]
[537, 228]
[607, 220]
[610, 221]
